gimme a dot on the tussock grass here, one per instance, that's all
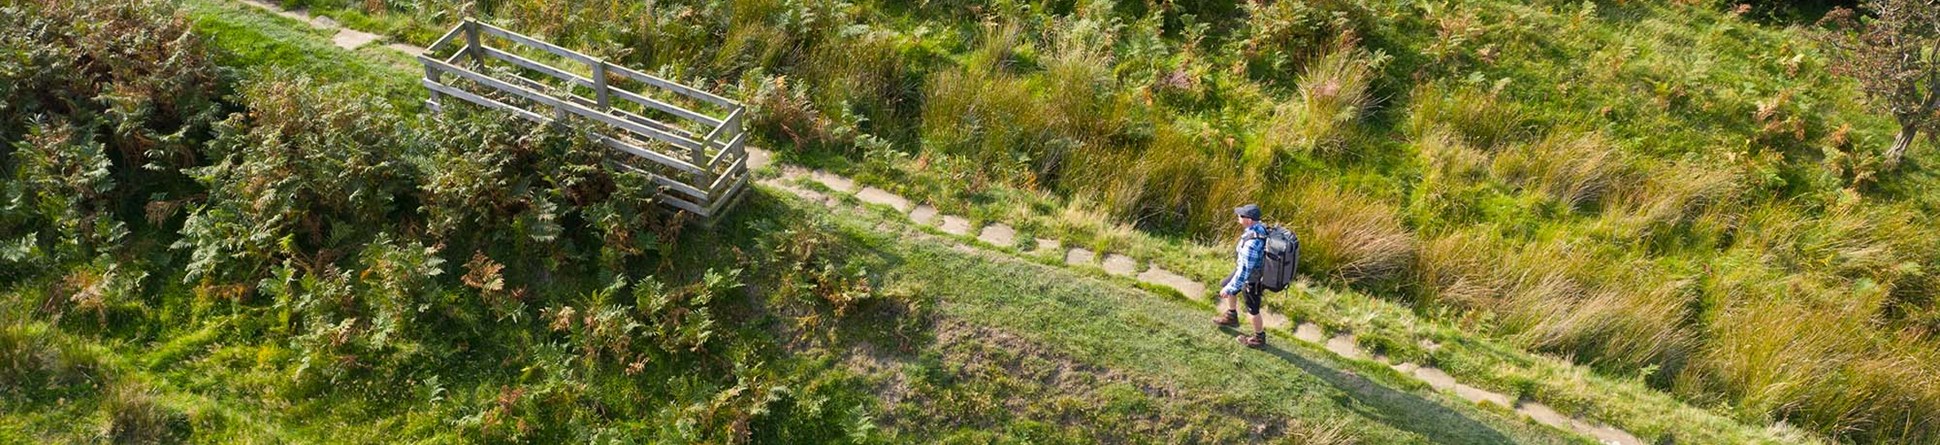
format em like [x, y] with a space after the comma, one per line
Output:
[1560, 297]
[137, 415]
[986, 116]
[1449, 161]
[1574, 169]
[1797, 350]
[867, 72]
[1614, 326]
[1344, 235]
[1684, 193]
[35, 358]
[1847, 239]
[1481, 118]
[1333, 96]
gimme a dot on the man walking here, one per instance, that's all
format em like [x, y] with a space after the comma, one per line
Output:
[1243, 281]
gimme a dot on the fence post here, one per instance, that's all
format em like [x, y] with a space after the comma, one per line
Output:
[702, 177]
[471, 41]
[599, 84]
[734, 122]
[734, 131]
[434, 76]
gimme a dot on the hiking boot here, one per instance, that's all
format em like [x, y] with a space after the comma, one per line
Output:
[1228, 320]
[1254, 341]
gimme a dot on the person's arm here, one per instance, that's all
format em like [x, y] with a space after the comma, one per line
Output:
[1254, 249]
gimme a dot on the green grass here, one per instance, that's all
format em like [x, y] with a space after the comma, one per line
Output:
[1728, 181]
[251, 37]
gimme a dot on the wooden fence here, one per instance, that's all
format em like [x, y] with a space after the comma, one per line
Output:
[701, 159]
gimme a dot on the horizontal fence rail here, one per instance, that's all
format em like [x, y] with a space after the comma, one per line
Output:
[700, 159]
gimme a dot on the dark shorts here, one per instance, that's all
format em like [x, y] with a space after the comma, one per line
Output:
[1251, 291]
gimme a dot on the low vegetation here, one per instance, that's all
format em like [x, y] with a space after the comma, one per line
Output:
[1688, 194]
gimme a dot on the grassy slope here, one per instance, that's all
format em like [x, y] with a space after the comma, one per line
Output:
[1120, 328]
[215, 371]
[1075, 318]
[1702, 118]
[1627, 403]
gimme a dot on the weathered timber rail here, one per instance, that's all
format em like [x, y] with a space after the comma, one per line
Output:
[699, 158]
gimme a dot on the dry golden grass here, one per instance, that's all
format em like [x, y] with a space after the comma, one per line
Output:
[1705, 196]
[1343, 234]
[1562, 297]
[1575, 169]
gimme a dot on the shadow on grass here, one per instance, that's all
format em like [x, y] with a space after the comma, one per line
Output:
[1400, 409]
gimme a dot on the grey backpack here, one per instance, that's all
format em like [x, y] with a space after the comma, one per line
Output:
[1282, 256]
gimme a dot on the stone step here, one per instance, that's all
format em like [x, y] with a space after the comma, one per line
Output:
[1186, 286]
[1120, 265]
[1079, 255]
[833, 181]
[999, 234]
[1479, 395]
[1309, 332]
[1343, 344]
[923, 214]
[352, 39]
[874, 195]
[955, 225]
[1047, 245]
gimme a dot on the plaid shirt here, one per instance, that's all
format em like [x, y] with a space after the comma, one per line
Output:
[1252, 247]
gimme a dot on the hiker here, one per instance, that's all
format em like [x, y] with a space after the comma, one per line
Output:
[1245, 277]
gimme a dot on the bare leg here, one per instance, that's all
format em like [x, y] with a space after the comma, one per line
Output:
[1258, 327]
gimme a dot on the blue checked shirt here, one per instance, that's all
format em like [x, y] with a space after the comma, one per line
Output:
[1249, 251]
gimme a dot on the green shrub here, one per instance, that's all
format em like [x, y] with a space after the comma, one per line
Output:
[538, 196]
[311, 168]
[1279, 37]
[67, 183]
[101, 105]
[128, 75]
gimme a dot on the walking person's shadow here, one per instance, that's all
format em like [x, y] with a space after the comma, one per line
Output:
[1400, 409]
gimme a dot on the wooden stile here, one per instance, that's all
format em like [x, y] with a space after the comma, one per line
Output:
[701, 176]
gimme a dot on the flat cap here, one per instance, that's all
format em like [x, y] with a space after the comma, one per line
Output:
[1249, 211]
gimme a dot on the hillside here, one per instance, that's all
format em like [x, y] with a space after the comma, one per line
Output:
[1524, 223]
